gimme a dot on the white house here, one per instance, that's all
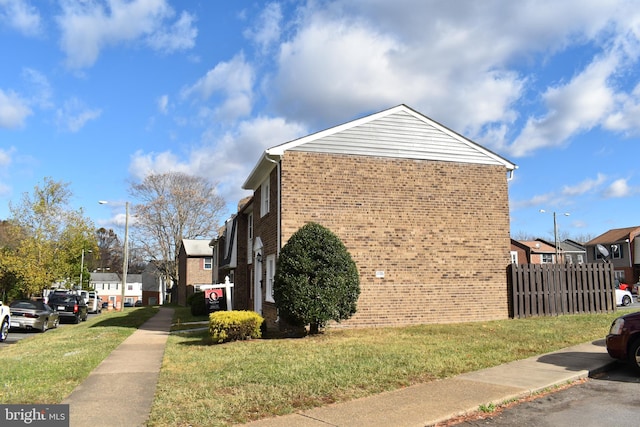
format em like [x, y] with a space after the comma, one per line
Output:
[109, 287]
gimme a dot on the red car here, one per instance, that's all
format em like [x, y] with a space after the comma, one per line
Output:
[623, 340]
[624, 286]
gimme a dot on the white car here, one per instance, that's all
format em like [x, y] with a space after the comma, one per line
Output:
[5, 321]
[623, 298]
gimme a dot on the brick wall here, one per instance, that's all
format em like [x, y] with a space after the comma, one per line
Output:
[191, 271]
[438, 230]
[266, 228]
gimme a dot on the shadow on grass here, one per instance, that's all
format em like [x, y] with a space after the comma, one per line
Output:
[131, 318]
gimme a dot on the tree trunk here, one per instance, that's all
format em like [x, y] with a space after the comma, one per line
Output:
[314, 329]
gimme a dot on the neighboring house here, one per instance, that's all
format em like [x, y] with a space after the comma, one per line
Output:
[195, 266]
[109, 288]
[624, 252]
[156, 288]
[423, 211]
[532, 252]
[569, 251]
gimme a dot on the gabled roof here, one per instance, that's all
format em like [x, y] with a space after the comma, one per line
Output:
[399, 132]
[566, 246]
[538, 246]
[615, 235]
[114, 278]
[197, 247]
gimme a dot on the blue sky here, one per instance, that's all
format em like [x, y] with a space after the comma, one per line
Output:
[100, 93]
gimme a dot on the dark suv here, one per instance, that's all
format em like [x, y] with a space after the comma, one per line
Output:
[623, 341]
[69, 306]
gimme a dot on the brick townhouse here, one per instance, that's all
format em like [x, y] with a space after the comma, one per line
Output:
[195, 263]
[423, 211]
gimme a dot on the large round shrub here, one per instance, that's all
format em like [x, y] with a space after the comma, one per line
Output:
[316, 279]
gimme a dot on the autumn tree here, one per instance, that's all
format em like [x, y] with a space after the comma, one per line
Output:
[51, 239]
[171, 207]
[109, 251]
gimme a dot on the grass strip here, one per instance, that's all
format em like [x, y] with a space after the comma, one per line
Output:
[221, 385]
[45, 368]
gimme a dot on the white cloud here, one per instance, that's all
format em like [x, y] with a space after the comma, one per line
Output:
[226, 159]
[268, 29]
[39, 86]
[163, 104]
[627, 118]
[20, 15]
[233, 81]
[180, 36]
[88, 27]
[73, 115]
[14, 110]
[619, 188]
[577, 106]
[584, 187]
[6, 157]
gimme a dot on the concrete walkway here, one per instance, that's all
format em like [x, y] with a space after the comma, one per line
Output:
[120, 391]
[427, 404]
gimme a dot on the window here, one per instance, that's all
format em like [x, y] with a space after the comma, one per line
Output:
[514, 257]
[271, 272]
[616, 252]
[207, 262]
[546, 258]
[129, 287]
[580, 259]
[568, 258]
[264, 197]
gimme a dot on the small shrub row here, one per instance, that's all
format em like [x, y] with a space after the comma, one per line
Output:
[234, 325]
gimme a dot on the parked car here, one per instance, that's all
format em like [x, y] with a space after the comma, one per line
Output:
[128, 304]
[84, 295]
[138, 303]
[623, 286]
[105, 305]
[28, 314]
[95, 303]
[623, 297]
[5, 321]
[623, 340]
[69, 306]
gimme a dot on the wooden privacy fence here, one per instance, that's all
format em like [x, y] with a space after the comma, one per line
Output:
[554, 289]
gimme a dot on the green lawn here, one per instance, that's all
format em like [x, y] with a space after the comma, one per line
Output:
[220, 385]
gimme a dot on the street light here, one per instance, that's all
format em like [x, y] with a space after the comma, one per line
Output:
[82, 266]
[555, 231]
[125, 257]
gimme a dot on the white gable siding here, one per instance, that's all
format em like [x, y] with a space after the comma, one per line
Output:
[400, 135]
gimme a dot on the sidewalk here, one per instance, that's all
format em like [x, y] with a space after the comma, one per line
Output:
[120, 391]
[427, 404]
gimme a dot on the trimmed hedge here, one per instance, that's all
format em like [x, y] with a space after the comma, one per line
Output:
[234, 325]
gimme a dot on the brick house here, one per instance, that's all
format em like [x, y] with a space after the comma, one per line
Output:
[195, 264]
[532, 252]
[423, 211]
[623, 246]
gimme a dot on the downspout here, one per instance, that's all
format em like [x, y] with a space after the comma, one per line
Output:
[277, 163]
